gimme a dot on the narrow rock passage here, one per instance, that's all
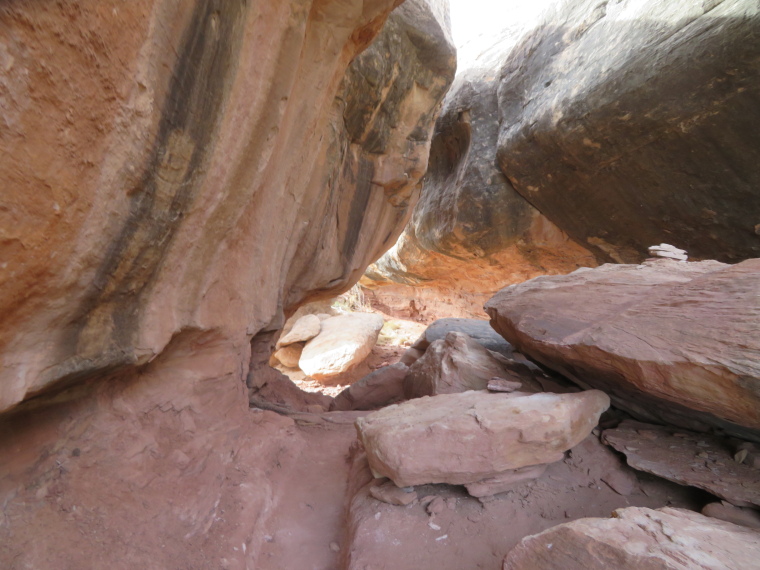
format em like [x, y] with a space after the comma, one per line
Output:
[306, 530]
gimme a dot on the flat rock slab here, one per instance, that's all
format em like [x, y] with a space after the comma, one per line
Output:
[670, 342]
[467, 437]
[640, 538]
[344, 341]
[380, 388]
[694, 459]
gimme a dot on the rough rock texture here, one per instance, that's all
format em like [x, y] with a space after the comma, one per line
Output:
[670, 342]
[178, 176]
[200, 173]
[687, 458]
[465, 532]
[455, 363]
[343, 342]
[636, 538]
[304, 329]
[380, 388]
[655, 140]
[504, 481]
[468, 437]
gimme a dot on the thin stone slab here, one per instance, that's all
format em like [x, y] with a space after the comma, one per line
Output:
[468, 437]
[688, 458]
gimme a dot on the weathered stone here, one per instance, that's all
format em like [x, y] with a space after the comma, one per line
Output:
[389, 493]
[289, 355]
[343, 342]
[471, 436]
[452, 364]
[736, 515]
[695, 459]
[604, 143]
[304, 329]
[670, 342]
[382, 387]
[504, 481]
[668, 251]
[637, 538]
[168, 184]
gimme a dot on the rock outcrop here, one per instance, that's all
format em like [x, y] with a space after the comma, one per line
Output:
[380, 388]
[205, 172]
[655, 140]
[668, 539]
[669, 341]
[471, 436]
[177, 178]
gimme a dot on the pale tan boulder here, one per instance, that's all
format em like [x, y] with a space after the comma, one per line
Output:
[289, 355]
[304, 329]
[638, 538]
[467, 437]
[343, 342]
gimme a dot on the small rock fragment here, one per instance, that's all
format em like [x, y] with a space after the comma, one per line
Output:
[436, 506]
[393, 495]
[334, 547]
[496, 384]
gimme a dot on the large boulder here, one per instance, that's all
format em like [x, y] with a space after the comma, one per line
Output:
[471, 436]
[637, 538]
[199, 166]
[480, 330]
[455, 363]
[304, 329]
[670, 341]
[343, 342]
[471, 232]
[632, 123]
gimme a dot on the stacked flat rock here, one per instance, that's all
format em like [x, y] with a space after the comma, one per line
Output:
[473, 436]
[636, 538]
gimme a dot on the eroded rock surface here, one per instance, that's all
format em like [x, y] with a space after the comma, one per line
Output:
[632, 123]
[471, 436]
[635, 538]
[699, 460]
[670, 342]
[380, 388]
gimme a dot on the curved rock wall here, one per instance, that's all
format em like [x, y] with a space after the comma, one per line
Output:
[176, 166]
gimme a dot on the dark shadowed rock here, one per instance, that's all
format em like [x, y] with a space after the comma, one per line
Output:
[380, 388]
[669, 341]
[639, 538]
[699, 460]
[632, 124]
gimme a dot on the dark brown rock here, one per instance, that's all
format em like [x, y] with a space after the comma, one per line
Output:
[380, 388]
[632, 125]
[670, 342]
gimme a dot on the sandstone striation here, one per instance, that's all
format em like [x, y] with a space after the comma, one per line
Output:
[669, 341]
[667, 539]
[467, 437]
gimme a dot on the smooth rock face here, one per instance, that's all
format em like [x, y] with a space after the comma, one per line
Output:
[168, 194]
[478, 330]
[638, 538]
[344, 341]
[290, 355]
[465, 438]
[504, 481]
[699, 460]
[729, 513]
[471, 232]
[670, 342]
[382, 387]
[305, 328]
[452, 364]
[632, 123]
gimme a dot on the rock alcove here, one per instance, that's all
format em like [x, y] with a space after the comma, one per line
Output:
[188, 185]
